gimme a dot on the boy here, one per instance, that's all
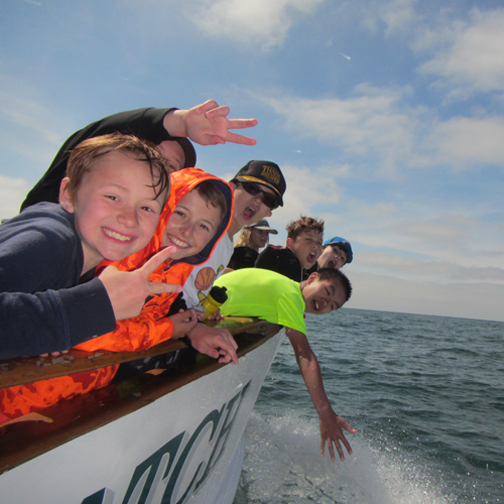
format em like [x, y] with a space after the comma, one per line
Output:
[279, 300]
[111, 200]
[336, 252]
[166, 128]
[202, 206]
[258, 189]
[304, 242]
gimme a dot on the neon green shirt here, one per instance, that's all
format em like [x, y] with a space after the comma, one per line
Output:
[254, 292]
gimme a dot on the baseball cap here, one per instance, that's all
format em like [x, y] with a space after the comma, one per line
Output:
[189, 152]
[265, 173]
[344, 244]
[263, 225]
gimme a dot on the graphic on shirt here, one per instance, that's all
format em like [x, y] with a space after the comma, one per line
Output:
[204, 281]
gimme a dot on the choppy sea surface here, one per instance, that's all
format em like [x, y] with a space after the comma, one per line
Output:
[426, 395]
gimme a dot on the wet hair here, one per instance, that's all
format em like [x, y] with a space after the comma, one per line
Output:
[212, 195]
[82, 160]
[304, 225]
[336, 275]
[245, 238]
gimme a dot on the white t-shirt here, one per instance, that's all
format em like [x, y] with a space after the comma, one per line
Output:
[201, 279]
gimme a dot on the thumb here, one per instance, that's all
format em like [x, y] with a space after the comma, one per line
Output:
[156, 260]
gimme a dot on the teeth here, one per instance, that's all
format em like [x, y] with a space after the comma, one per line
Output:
[116, 236]
[179, 243]
[316, 305]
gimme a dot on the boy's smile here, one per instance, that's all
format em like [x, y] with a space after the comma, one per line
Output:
[307, 247]
[191, 226]
[116, 210]
[322, 296]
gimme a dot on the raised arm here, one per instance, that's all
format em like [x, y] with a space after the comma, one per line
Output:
[330, 424]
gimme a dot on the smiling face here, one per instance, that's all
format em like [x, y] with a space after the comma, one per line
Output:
[259, 238]
[116, 209]
[307, 247]
[248, 209]
[322, 296]
[191, 226]
[332, 257]
[172, 154]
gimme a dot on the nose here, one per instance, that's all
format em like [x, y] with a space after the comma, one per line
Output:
[128, 217]
[186, 230]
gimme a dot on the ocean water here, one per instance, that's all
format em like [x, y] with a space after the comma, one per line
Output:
[426, 395]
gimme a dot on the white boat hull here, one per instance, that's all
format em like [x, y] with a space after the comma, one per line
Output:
[182, 448]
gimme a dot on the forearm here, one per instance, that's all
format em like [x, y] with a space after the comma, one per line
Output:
[132, 335]
[312, 376]
[53, 321]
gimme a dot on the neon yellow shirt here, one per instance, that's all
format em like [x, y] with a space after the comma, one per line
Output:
[254, 292]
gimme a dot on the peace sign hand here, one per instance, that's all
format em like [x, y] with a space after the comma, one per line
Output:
[128, 290]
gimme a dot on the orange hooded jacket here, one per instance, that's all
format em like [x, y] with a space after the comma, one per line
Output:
[151, 327]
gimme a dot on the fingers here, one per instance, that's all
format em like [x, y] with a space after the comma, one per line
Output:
[206, 107]
[216, 111]
[239, 139]
[163, 288]
[156, 260]
[241, 123]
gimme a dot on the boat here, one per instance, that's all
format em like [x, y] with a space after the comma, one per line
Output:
[172, 438]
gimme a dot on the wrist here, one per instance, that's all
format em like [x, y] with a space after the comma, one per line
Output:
[174, 123]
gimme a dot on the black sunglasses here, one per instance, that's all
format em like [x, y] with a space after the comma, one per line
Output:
[255, 189]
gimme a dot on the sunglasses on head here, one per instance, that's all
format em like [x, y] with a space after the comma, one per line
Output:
[255, 189]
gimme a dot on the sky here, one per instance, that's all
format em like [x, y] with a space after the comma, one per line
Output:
[386, 118]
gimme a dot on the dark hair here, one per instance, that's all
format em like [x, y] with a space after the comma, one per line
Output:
[212, 195]
[336, 275]
[82, 158]
[302, 225]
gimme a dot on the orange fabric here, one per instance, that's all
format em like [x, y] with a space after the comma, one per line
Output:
[151, 327]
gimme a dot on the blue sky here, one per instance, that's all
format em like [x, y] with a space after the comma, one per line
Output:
[386, 117]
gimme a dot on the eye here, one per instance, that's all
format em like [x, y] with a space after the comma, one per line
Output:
[205, 227]
[110, 197]
[147, 209]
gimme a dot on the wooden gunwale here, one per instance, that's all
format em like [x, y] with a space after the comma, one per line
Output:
[23, 441]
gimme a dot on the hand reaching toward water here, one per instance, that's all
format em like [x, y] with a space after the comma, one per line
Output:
[331, 434]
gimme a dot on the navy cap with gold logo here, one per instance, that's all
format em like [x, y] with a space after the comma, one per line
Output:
[265, 173]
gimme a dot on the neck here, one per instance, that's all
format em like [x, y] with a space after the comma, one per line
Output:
[233, 229]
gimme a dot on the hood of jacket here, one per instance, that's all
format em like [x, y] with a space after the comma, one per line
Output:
[181, 183]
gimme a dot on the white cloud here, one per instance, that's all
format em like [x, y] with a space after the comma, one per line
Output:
[263, 22]
[472, 59]
[372, 124]
[463, 142]
[379, 128]
[397, 15]
[12, 194]
[416, 269]
[382, 292]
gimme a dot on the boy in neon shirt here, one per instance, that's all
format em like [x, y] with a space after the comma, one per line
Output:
[280, 300]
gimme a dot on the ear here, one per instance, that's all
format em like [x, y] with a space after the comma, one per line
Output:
[313, 277]
[289, 243]
[233, 185]
[65, 198]
[270, 213]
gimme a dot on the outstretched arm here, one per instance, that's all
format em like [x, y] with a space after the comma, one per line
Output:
[330, 424]
[207, 124]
